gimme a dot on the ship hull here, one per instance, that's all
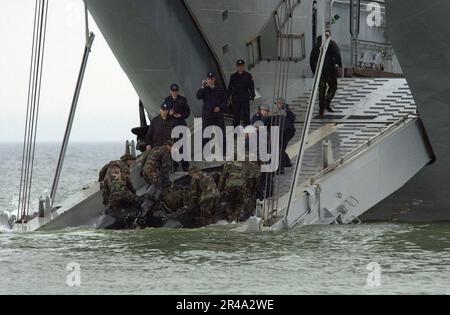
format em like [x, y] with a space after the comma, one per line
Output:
[418, 32]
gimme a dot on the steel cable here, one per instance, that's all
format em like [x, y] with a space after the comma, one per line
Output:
[33, 104]
[280, 88]
[281, 115]
[38, 93]
[30, 84]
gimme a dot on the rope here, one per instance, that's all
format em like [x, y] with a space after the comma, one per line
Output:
[25, 147]
[288, 56]
[269, 177]
[33, 104]
[280, 89]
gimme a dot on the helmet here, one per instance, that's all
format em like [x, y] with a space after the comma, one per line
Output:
[127, 157]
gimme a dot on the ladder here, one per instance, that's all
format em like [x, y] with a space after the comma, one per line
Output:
[263, 47]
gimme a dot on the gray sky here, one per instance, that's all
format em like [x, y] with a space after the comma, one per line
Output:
[108, 105]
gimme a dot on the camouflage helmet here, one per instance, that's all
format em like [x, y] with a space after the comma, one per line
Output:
[194, 170]
[127, 157]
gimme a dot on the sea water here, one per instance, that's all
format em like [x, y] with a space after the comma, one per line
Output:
[381, 258]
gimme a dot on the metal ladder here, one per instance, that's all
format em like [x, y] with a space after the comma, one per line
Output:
[258, 48]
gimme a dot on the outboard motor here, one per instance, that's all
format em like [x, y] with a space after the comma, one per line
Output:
[184, 218]
[120, 218]
[150, 203]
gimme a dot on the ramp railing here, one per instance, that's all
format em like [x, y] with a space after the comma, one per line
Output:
[307, 125]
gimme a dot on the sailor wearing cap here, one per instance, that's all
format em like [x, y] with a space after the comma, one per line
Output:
[261, 117]
[214, 102]
[179, 105]
[242, 91]
[160, 131]
[180, 111]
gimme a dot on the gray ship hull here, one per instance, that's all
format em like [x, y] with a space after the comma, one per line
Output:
[152, 49]
[163, 41]
[418, 30]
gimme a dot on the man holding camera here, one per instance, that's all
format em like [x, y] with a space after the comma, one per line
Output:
[214, 103]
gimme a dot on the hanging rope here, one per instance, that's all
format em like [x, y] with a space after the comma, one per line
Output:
[280, 91]
[32, 114]
[288, 55]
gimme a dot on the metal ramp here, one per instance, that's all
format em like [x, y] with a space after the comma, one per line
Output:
[354, 158]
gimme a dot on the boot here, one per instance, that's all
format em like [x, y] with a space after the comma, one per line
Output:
[328, 107]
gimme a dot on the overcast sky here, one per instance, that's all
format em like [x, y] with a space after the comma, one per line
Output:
[108, 105]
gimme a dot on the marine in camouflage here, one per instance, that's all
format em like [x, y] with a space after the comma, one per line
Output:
[127, 158]
[156, 166]
[174, 197]
[203, 194]
[116, 186]
[253, 183]
[239, 185]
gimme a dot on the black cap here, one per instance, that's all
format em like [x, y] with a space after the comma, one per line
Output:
[165, 106]
[175, 87]
[240, 62]
[210, 75]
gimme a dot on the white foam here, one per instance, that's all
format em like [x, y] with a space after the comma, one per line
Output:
[4, 222]
[4, 229]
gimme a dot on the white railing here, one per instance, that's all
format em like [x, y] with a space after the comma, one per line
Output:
[306, 126]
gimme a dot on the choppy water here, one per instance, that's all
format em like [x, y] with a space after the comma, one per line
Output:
[81, 166]
[215, 260]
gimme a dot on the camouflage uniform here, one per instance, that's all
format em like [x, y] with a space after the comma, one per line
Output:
[238, 185]
[203, 194]
[253, 182]
[174, 197]
[127, 157]
[116, 186]
[156, 166]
